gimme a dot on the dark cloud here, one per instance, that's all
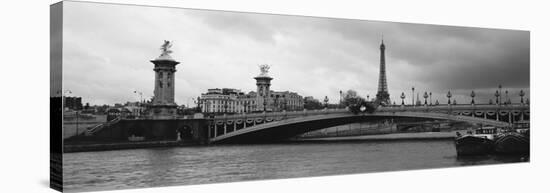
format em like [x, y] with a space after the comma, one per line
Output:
[310, 55]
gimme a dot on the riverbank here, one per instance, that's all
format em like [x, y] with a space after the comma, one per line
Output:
[384, 137]
[72, 148]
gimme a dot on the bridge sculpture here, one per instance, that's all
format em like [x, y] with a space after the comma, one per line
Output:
[273, 126]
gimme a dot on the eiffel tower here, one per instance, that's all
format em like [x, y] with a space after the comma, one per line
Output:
[382, 97]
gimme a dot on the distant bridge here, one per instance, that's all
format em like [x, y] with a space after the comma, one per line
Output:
[273, 126]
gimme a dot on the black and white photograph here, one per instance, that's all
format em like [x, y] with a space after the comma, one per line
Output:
[148, 96]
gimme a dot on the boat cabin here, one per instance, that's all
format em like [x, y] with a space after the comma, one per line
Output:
[521, 127]
[486, 132]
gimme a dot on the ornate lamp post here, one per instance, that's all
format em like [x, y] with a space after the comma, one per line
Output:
[497, 95]
[449, 95]
[140, 95]
[340, 99]
[402, 99]
[507, 99]
[425, 98]
[473, 94]
[521, 94]
[430, 98]
[140, 100]
[413, 95]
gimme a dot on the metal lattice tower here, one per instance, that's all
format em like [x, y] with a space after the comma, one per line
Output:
[382, 96]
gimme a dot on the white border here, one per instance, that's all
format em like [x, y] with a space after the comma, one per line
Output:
[25, 78]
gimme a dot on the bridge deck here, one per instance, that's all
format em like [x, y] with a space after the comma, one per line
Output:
[282, 121]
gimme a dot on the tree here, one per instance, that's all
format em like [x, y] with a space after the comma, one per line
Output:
[312, 104]
[357, 104]
[351, 98]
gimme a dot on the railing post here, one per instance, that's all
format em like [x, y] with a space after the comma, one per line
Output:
[510, 116]
[225, 127]
[215, 129]
[522, 113]
[225, 124]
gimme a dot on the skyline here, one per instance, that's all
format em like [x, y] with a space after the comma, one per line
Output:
[311, 56]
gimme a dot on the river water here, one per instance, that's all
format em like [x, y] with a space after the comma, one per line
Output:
[91, 171]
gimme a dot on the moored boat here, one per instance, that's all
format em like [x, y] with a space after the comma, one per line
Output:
[480, 143]
[512, 142]
[522, 127]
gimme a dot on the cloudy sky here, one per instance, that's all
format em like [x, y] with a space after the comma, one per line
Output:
[107, 49]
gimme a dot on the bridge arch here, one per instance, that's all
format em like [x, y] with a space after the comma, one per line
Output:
[286, 128]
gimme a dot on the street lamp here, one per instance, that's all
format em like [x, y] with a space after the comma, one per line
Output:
[402, 99]
[425, 98]
[500, 93]
[521, 94]
[497, 94]
[473, 94]
[140, 95]
[449, 95]
[507, 99]
[340, 98]
[140, 103]
[413, 96]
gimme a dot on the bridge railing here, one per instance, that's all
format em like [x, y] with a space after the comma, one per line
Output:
[425, 108]
[464, 107]
[282, 114]
[90, 131]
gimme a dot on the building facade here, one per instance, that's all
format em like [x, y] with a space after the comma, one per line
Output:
[230, 100]
[72, 103]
